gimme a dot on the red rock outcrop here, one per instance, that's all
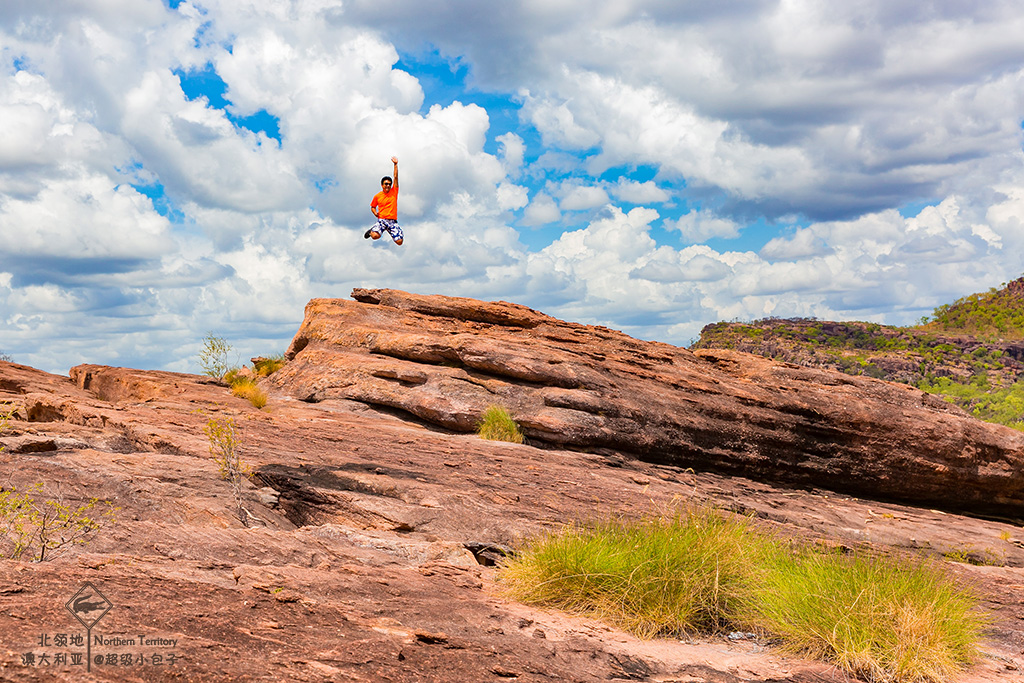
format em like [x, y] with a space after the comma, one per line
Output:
[445, 359]
[358, 562]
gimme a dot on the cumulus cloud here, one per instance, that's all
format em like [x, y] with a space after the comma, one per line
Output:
[137, 216]
[638, 193]
[846, 110]
[700, 226]
[803, 243]
[575, 196]
[513, 150]
[198, 153]
[541, 210]
[82, 219]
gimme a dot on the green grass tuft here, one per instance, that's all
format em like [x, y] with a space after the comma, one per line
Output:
[699, 571]
[879, 618]
[268, 366]
[661, 577]
[497, 425]
[245, 386]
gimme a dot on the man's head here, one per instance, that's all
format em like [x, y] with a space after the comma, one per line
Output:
[385, 183]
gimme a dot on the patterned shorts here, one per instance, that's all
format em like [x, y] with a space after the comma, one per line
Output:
[389, 226]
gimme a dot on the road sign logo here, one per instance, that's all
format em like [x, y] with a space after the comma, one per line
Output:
[88, 605]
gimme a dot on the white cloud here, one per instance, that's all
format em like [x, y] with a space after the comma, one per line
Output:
[198, 153]
[79, 220]
[638, 193]
[541, 210]
[44, 299]
[577, 197]
[558, 126]
[848, 114]
[512, 197]
[700, 226]
[513, 150]
[802, 244]
[846, 110]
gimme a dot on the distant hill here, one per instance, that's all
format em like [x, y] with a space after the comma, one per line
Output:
[998, 314]
[970, 352]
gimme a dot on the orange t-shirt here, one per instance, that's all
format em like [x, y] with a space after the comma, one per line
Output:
[387, 203]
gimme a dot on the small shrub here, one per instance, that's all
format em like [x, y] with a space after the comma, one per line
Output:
[979, 558]
[224, 447]
[233, 376]
[213, 358]
[243, 384]
[498, 425]
[40, 527]
[1002, 405]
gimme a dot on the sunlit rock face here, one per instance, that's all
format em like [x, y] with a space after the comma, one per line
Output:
[445, 359]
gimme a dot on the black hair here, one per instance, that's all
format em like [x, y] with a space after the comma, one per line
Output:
[387, 177]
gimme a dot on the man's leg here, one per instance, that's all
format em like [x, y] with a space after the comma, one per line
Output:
[375, 230]
[396, 232]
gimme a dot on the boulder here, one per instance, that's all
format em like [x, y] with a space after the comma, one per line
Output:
[444, 360]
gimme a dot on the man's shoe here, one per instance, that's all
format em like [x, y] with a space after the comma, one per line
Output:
[366, 235]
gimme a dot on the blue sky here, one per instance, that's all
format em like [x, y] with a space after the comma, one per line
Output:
[173, 169]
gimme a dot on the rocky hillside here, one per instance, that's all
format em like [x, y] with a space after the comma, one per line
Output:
[971, 352]
[361, 544]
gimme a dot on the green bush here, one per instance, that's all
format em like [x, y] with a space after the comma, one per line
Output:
[1001, 405]
[996, 314]
[38, 527]
[882, 618]
[244, 385]
[213, 358]
[6, 413]
[497, 425]
[224, 447]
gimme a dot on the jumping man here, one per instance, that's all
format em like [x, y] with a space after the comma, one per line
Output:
[385, 207]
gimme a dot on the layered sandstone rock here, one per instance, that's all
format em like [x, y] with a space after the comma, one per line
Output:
[366, 529]
[445, 359]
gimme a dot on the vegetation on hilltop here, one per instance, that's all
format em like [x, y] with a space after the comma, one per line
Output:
[998, 314]
[970, 352]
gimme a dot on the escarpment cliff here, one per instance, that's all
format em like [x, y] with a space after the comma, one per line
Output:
[445, 359]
